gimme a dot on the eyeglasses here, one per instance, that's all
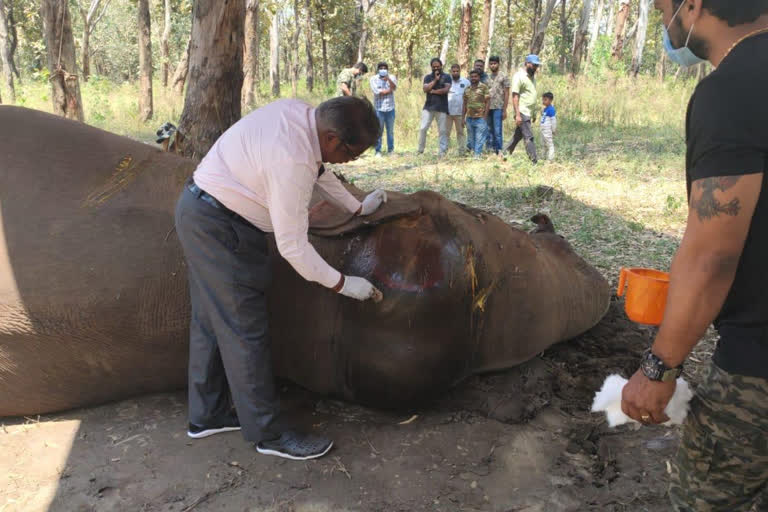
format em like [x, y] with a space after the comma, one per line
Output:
[349, 152]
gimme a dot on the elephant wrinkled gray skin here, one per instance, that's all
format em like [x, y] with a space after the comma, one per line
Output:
[93, 292]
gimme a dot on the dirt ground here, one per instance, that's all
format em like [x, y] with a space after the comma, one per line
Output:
[518, 440]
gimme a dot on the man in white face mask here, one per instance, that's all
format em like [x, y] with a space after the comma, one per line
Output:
[719, 273]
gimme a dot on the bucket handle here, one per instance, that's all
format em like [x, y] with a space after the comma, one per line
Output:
[622, 282]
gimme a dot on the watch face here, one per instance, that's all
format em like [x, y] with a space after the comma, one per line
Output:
[650, 368]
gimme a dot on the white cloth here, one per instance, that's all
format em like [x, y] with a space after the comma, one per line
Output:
[264, 167]
[547, 133]
[456, 96]
[608, 400]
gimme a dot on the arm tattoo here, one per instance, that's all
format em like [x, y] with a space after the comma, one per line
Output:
[707, 206]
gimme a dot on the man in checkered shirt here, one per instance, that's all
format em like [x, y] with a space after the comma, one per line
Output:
[383, 86]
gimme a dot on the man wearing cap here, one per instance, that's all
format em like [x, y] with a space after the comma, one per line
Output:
[258, 177]
[525, 101]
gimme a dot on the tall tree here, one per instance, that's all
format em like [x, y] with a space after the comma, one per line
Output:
[540, 27]
[448, 31]
[510, 37]
[14, 39]
[485, 28]
[491, 29]
[363, 8]
[60, 49]
[91, 18]
[295, 50]
[212, 103]
[308, 38]
[145, 62]
[274, 54]
[618, 33]
[251, 56]
[640, 36]
[465, 35]
[580, 38]
[594, 32]
[324, 41]
[164, 51]
[5, 53]
[182, 68]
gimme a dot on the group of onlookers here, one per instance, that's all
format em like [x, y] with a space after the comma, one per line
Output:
[478, 103]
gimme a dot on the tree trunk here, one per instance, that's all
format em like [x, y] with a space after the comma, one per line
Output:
[364, 7]
[448, 31]
[595, 32]
[295, 48]
[212, 103]
[164, 51]
[5, 53]
[610, 23]
[563, 37]
[537, 42]
[308, 38]
[409, 56]
[60, 45]
[510, 37]
[491, 29]
[321, 26]
[14, 40]
[274, 54]
[86, 48]
[145, 62]
[642, 31]
[180, 75]
[485, 26]
[251, 57]
[465, 35]
[618, 33]
[580, 39]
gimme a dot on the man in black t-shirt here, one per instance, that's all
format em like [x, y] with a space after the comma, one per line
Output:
[436, 87]
[720, 272]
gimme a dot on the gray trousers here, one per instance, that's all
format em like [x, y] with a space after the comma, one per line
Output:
[228, 265]
[524, 131]
[442, 126]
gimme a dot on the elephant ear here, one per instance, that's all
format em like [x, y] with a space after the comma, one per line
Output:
[327, 219]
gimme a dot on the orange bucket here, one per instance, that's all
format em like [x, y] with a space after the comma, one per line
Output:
[646, 294]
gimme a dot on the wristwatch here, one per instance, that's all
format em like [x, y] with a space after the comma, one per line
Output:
[655, 369]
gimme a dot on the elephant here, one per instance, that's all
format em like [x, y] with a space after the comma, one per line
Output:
[94, 302]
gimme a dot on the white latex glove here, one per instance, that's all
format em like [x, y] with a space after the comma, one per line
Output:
[372, 201]
[360, 289]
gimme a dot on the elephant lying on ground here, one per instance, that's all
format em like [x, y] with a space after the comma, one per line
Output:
[93, 291]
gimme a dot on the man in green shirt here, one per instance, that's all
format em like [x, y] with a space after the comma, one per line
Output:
[525, 101]
[346, 83]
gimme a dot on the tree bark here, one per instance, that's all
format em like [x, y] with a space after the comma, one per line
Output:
[212, 103]
[90, 18]
[618, 33]
[537, 42]
[164, 51]
[594, 33]
[295, 50]
[580, 39]
[180, 75]
[447, 38]
[321, 27]
[491, 30]
[60, 46]
[364, 7]
[145, 62]
[485, 26]
[465, 35]
[563, 37]
[610, 22]
[510, 37]
[5, 54]
[274, 54]
[251, 53]
[14, 40]
[308, 38]
[409, 57]
[642, 31]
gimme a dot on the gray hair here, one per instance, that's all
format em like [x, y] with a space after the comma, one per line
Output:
[353, 119]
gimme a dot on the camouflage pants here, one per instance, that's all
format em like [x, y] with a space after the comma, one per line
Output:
[722, 463]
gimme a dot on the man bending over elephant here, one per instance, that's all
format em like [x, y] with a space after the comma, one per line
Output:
[258, 177]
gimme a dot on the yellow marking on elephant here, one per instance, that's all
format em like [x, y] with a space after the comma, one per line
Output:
[124, 174]
[482, 298]
[470, 269]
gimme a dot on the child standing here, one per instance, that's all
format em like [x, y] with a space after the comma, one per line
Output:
[549, 124]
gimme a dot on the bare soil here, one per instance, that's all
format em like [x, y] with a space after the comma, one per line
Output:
[518, 440]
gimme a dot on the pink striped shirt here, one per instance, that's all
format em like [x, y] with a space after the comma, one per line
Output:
[264, 167]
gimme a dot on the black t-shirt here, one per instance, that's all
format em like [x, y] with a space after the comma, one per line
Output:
[727, 135]
[437, 102]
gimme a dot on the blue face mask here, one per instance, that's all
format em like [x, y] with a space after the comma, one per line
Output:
[682, 56]
[383, 73]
